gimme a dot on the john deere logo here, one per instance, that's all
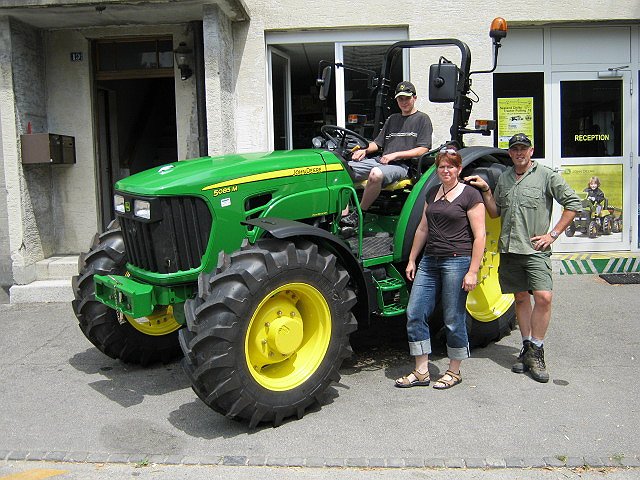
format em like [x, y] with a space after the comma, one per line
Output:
[127, 206]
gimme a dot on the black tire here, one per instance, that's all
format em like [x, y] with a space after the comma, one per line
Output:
[592, 230]
[99, 323]
[232, 312]
[571, 230]
[482, 334]
[607, 225]
[617, 225]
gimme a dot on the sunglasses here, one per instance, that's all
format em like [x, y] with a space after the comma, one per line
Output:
[448, 151]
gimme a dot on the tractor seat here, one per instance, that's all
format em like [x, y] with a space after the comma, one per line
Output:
[417, 168]
[392, 187]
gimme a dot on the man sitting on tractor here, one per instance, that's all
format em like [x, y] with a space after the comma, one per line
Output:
[404, 136]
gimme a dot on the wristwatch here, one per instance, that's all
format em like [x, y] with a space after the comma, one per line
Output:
[554, 234]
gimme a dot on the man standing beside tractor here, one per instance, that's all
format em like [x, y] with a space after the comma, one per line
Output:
[523, 198]
[404, 136]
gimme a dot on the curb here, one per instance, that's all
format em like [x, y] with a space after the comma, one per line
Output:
[615, 461]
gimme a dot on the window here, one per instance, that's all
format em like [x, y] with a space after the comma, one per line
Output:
[591, 121]
[528, 85]
[135, 57]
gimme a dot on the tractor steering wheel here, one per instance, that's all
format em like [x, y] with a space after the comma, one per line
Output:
[344, 140]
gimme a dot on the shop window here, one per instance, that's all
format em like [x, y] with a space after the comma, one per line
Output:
[518, 106]
[134, 57]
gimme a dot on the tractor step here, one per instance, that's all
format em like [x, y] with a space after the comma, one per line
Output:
[393, 309]
[392, 293]
[390, 284]
[373, 247]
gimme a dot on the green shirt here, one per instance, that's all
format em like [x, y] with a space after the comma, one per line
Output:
[525, 205]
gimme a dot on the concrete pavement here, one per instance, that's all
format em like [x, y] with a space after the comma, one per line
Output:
[63, 400]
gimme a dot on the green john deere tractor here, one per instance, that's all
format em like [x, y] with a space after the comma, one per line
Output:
[237, 261]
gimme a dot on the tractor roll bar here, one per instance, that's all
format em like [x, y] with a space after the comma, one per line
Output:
[462, 87]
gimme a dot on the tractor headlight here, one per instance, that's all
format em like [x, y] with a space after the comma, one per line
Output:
[142, 209]
[118, 203]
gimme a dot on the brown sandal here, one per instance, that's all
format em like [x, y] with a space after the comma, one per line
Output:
[422, 380]
[448, 380]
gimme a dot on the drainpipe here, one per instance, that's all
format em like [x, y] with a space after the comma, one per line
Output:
[198, 50]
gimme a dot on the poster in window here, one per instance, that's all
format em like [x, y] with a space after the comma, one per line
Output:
[600, 188]
[515, 115]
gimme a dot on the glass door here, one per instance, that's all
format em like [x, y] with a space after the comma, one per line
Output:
[279, 66]
[592, 149]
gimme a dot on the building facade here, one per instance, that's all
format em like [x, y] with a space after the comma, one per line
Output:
[96, 86]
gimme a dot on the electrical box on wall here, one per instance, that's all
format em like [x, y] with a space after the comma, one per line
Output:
[48, 148]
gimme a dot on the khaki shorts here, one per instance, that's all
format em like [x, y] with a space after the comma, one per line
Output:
[521, 273]
[392, 172]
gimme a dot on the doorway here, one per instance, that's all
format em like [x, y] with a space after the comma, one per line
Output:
[592, 148]
[296, 112]
[135, 109]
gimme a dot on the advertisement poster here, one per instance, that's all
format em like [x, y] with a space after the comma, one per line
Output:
[600, 187]
[515, 115]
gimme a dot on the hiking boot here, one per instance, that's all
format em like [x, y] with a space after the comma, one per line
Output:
[534, 362]
[519, 366]
[350, 220]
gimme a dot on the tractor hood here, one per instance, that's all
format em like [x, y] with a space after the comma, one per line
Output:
[201, 174]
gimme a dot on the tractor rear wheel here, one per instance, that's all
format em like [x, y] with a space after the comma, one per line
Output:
[491, 314]
[617, 225]
[143, 340]
[267, 333]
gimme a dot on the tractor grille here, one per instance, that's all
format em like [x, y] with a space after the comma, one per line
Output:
[176, 238]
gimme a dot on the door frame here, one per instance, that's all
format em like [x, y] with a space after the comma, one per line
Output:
[270, 98]
[107, 152]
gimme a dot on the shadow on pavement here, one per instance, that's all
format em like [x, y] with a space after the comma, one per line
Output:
[128, 385]
[197, 420]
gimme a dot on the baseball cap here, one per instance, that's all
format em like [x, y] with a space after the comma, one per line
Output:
[519, 139]
[406, 89]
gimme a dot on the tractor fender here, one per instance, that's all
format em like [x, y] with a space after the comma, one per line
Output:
[283, 228]
[469, 155]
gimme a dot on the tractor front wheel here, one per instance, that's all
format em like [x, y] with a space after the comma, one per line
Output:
[267, 334]
[133, 340]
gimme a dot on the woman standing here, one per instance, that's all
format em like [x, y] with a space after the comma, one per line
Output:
[452, 234]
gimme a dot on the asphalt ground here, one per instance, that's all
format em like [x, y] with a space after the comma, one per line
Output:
[61, 400]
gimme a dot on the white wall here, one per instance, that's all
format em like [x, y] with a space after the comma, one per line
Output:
[466, 20]
[70, 112]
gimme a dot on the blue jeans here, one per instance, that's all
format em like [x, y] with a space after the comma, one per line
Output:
[439, 278]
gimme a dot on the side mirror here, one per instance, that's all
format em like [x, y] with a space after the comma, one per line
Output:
[324, 82]
[443, 80]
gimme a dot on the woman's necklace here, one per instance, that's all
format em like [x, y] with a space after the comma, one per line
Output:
[444, 192]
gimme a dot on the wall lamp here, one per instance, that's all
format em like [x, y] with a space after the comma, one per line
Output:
[183, 57]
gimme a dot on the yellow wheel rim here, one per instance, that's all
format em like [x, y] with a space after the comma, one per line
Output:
[288, 336]
[160, 322]
[486, 302]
